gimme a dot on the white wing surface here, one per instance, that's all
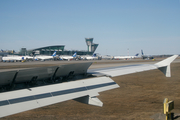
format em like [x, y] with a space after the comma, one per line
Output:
[27, 99]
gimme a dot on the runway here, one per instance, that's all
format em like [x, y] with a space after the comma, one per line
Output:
[139, 97]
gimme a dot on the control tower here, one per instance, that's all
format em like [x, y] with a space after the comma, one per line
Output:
[91, 46]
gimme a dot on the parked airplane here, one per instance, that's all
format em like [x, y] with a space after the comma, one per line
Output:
[45, 57]
[84, 90]
[107, 57]
[125, 57]
[12, 58]
[93, 57]
[16, 58]
[28, 58]
[67, 57]
[146, 56]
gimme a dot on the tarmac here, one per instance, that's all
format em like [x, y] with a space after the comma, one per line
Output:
[140, 96]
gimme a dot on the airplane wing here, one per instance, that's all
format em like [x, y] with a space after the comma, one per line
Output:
[84, 90]
[163, 66]
[27, 99]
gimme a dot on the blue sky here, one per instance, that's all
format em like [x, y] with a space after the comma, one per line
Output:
[116, 25]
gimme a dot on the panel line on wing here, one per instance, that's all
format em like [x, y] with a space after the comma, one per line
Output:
[101, 85]
[45, 95]
[4, 102]
[68, 91]
[57, 93]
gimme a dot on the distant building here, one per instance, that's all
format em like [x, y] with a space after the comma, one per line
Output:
[48, 50]
[23, 51]
[3, 54]
[91, 46]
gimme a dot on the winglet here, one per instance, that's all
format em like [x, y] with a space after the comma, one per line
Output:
[166, 62]
[164, 65]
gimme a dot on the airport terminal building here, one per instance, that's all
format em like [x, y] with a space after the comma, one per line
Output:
[48, 50]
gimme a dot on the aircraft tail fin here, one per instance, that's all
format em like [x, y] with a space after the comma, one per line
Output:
[164, 65]
[54, 54]
[74, 55]
[142, 52]
[137, 54]
[94, 55]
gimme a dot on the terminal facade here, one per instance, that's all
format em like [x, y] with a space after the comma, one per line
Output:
[49, 50]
